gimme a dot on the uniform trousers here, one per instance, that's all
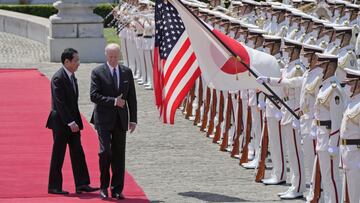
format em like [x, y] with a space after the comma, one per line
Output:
[352, 174]
[329, 168]
[295, 158]
[276, 148]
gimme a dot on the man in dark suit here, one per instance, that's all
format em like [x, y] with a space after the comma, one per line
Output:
[113, 92]
[65, 122]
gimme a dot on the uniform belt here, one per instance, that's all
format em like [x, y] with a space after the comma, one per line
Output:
[147, 36]
[139, 35]
[324, 123]
[351, 142]
[273, 98]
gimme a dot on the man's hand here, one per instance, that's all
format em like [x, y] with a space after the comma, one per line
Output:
[132, 127]
[120, 102]
[74, 128]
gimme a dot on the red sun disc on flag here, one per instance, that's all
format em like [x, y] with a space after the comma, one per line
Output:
[233, 64]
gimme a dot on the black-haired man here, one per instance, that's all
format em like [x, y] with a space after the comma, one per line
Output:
[65, 122]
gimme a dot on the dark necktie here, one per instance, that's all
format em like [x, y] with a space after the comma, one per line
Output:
[115, 79]
[73, 81]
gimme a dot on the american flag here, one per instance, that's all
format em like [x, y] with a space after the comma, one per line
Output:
[175, 65]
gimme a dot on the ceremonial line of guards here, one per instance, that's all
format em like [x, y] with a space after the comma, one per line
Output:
[135, 24]
[318, 49]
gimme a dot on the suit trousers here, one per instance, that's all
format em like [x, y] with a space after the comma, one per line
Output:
[112, 145]
[77, 156]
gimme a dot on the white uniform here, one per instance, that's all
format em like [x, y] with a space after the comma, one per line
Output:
[276, 140]
[350, 154]
[139, 40]
[329, 107]
[347, 59]
[309, 91]
[289, 125]
[255, 124]
[148, 46]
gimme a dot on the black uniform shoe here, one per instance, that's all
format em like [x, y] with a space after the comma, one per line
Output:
[117, 195]
[86, 188]
[58, 192]
[104, 193]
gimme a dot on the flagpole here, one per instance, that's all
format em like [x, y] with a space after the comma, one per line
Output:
[247, 67]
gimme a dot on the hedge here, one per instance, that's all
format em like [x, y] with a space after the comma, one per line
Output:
[46, 10]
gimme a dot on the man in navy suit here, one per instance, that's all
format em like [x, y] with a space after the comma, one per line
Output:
[113, 92]
[65, 122]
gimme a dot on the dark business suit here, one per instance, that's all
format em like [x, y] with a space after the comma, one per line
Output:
[64, 110]
[111, 122]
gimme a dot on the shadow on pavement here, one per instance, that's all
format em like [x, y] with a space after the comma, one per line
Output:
[211, 197]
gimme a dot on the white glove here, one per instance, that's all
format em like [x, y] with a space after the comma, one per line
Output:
[262, 79]
[261, 105]
[278, 115]
[296, 124]
[313, 132]
[333, 151]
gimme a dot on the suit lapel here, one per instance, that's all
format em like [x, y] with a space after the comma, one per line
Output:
[109, 75]
[122, 78]
[69, 83]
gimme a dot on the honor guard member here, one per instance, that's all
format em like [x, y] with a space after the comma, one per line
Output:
[249, 15]
[255, 41]
[350, 139]
[234, 8]
[290, 126]
[273, 115]
[317, 26]
[272, 46]
[306, 27]
[148, 46]
[303, 28]
[329, 108]
[324, 36]
[294, 24]
[311, 81]
[346, 54]
[331, 48]
[266, 13]
[352, 11]
[338, 11]
[280, 23]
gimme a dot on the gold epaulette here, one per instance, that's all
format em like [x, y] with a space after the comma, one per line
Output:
[260, 22]
[325, 95]
[312, 41]
[323, 44]
[311, 87]
[352, 115]
[298, 71]
[348, 61]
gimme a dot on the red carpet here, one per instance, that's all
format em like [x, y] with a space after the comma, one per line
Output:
[25, 144]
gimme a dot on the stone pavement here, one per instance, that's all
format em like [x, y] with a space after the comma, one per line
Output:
[171, 163]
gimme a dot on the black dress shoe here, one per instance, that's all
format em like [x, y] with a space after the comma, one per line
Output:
[117, 195]
[104, 193]
[86, 188]
[58, 192]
